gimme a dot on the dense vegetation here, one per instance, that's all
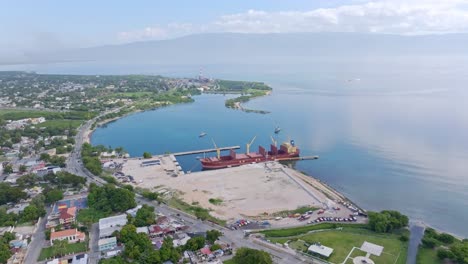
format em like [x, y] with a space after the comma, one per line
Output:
[5, 252]
[145, 216]
[9, 194]
[90, 155]
[227, 85]
[110, 199]
[387, 221]
[138, 248]
[30, 213]
[251, 256]
[445, 245]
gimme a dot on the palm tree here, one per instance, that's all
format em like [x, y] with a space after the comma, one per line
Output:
[60, 247]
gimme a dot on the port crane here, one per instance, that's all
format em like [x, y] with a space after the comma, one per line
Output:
[249, 144]
[274, 141]
[218, 151]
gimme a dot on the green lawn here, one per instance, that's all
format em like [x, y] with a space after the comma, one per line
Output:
[47, 253]
[427, 256]
[304, 229]
[90, 215]
[229, 261]
[342, 241]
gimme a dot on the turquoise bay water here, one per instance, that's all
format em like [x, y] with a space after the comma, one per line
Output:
[391, 132]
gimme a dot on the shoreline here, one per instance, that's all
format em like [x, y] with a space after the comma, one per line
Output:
[309, 179]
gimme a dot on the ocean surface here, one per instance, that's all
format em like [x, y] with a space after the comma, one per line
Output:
[391, 133]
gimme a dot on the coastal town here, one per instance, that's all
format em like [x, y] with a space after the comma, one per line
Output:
[63, 200]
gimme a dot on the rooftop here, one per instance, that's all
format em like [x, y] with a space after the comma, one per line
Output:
[321, 250]
[105, 241]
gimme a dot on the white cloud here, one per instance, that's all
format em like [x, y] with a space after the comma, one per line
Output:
[386, 16]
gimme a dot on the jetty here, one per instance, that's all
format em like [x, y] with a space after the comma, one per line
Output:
[204, 151]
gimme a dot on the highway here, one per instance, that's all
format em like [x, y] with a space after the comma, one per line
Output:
[233, 237]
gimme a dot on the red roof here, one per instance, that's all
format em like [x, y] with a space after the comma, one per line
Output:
[156, 229]
[67, 213]
[205, 250]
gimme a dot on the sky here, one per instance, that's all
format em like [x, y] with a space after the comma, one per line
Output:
[29, 26]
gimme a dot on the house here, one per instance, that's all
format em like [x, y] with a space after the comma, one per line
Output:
[80, 259]
[143, 229]
[109, 225]
[67, 215]
[321, 250]
[72, 235]
[133, 211]
[107, 243]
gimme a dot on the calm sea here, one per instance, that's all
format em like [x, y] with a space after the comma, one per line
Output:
[391, 133]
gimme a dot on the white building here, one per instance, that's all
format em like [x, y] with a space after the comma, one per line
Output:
[109, 225]
[320, 250]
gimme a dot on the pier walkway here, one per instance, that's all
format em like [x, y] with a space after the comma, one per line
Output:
[203, 151]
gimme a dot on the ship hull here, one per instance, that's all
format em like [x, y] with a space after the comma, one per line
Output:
[227, 163]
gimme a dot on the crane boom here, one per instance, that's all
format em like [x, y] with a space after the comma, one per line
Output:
[250, 143]
[218, 151]
[274, 141]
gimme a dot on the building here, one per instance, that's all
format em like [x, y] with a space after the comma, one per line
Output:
[72, 235]
[67, 216]
[80, 259]
[143, 229]
[320, 250]
[109, 225]
[106, 244]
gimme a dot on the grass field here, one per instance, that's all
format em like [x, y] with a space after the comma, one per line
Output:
[427, 256]
[343, 241]
[47, 253]
[287, 232]
[90, 215]
[229, 261]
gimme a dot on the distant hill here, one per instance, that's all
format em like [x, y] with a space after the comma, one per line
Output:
[232, 47]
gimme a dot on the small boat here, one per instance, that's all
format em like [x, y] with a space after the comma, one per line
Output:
[277, 130]
[202, 134]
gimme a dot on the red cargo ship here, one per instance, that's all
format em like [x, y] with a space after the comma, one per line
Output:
[287, 151]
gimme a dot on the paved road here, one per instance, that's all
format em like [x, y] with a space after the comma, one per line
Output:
[417, 233]
[236, 237]
[93, 244]
[38, 241]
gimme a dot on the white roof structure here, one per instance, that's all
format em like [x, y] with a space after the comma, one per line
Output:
[118, 220]
[321, 250]
[143, 229]
[108, 225]
[373, 249]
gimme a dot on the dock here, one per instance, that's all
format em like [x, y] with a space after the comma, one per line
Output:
[203, 151]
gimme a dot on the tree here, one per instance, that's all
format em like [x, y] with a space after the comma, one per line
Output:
[27, 180]
[147, 155]
[23, 168]
[387, 221]
[53, 196]
[145, 216]
[446, 238]
[213, 235]
[251, 256]
[195, 243]
[110, 199]
[60, 247]
[8, 168]
[45, 157]
[215, 247]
